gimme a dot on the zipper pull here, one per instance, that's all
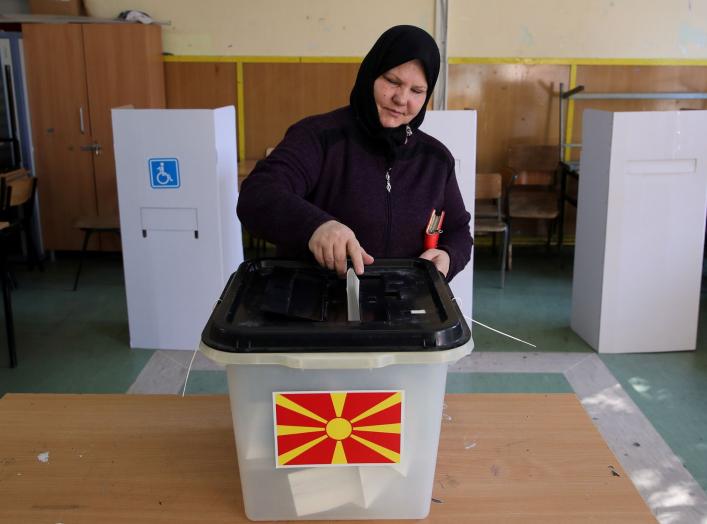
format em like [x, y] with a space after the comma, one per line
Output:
[387, 180]
[408, 133]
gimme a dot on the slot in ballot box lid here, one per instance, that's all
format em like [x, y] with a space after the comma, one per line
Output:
[291, 306]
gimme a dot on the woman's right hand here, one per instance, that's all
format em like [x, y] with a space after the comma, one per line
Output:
[332, 242]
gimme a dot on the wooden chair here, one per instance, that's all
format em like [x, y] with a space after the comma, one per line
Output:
[533, 191]
[90, 225]
[488, 216]
[17, 192]
[19, 209]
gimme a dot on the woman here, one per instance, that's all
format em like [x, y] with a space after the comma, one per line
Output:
[362, 181]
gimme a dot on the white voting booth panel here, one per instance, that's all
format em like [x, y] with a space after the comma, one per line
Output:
[457, 131]
[640, 230]
[177, 190]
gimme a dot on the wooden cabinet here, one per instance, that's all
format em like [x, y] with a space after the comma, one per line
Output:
[75, 75]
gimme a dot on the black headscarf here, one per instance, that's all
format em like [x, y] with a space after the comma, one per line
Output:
[396, 46]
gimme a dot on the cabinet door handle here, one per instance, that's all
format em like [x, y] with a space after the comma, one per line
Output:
[97, 148]
[81, 126]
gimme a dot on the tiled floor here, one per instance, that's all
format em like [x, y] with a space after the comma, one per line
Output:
[649, 408]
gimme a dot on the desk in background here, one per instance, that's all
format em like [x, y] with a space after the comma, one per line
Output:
[167, 459]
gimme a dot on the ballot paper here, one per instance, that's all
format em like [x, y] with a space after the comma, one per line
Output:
[352, 294]
[375, 482]
[321, 489]
[260, 422]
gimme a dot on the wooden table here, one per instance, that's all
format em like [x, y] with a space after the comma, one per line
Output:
[166, 459]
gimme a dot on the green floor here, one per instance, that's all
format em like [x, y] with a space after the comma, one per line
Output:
[507, 383]
[671, 390]
[534, 305]
[71, 341]
[78, 342]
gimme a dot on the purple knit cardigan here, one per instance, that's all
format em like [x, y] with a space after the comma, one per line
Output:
[325, 168]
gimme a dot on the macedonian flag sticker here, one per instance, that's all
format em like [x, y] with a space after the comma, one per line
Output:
[325, 428]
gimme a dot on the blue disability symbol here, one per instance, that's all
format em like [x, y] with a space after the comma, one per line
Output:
[164, 173]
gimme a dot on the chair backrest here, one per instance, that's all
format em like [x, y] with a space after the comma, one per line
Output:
[17, 189]
[22, 190]
[488, 186]
[488, 194]
[16, 173]
[533, 164]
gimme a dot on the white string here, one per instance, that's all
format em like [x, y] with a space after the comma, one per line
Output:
[458, 299]
[189, 371]
[500, 332]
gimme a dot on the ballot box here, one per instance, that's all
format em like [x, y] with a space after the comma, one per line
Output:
[177, 190]
[640, 230]
[336, 385]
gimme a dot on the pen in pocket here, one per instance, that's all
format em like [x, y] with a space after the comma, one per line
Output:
[434, 228]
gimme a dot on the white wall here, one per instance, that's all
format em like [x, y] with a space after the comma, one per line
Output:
[273, 27]
[579, 28]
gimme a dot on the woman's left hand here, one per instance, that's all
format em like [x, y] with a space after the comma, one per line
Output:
[439, 258]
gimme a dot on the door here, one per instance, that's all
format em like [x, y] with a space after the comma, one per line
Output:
[123, 67]
[58, 99]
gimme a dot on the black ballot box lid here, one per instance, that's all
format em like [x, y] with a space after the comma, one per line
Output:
[290, 306]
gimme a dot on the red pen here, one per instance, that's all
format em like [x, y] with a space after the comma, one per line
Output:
[434, 228]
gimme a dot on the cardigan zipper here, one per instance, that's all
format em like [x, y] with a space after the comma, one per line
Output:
[389, 211]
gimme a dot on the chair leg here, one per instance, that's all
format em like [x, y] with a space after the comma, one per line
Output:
[9, 322]
[86, 238]
[32, 250]
[12, 279]
[551, 225]
[509, 249]
[504, 252]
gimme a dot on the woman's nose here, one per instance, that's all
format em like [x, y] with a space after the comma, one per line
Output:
[400, 97]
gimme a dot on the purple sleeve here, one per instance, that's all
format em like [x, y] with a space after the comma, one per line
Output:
[272, 202]
[456, 238]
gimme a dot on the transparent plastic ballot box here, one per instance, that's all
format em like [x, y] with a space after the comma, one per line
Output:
[336, 385]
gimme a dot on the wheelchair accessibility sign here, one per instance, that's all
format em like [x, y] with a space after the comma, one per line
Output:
[164, 173]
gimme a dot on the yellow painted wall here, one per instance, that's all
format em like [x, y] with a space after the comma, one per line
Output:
[674, 29]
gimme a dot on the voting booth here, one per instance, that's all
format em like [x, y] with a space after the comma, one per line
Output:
[457, 131]
[177, 189]
[640, 230]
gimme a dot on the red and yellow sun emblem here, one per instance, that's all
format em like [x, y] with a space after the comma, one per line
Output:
[335, 427]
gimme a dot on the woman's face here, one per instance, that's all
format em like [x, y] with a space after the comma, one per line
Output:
[400, 93]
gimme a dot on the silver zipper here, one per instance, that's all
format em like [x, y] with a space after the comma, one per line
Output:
[387, 180]
[408, 133]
